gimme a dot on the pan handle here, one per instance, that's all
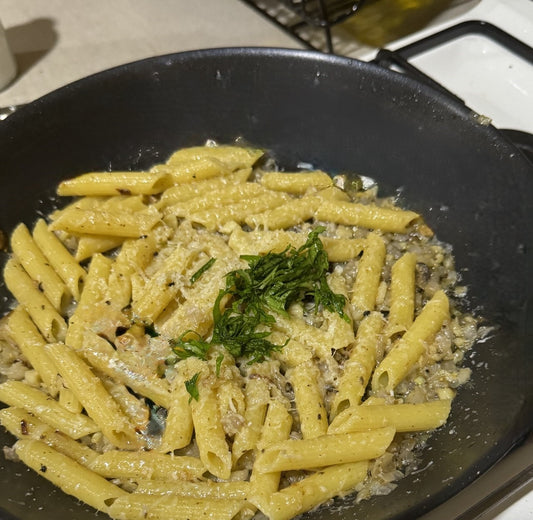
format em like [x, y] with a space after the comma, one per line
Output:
[399, 58]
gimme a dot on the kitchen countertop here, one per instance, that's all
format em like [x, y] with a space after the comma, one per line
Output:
[59, 41]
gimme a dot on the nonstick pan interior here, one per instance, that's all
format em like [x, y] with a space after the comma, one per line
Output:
[474, 188]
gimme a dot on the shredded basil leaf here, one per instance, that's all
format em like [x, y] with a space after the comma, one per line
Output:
[236, 330]
[270, 284]
[220, 358]
[189, 344]
[202, 270]
[275, 280]
[191, 386]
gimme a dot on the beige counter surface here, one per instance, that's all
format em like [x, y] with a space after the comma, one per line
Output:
[56, 42]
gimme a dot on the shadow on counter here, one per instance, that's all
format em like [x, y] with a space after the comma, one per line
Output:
[30, 42]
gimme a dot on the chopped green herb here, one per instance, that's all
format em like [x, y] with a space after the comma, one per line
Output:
[275, 280]
[192, 387]
[270, 284]
[220, 358]
[202, 270]
[189, 344]
[236, 330]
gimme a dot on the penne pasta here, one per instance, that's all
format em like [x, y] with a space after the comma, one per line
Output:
[366, 216]
[210, 436]
[404, 417]
[305, 381]
[141, 506]
[90, 245]
[100, 355]
[49, 322]
[147, 465]
[107, 223]
[133, 258]
[197, 489]
[225, 195]
[285, 215]
[277, 428]
[21, 395]
[60, 258]
[232, 157]
[31, 343]
[365, 288]
[179, 423]
[134, 408]
[402, 294]
[313, 490]
[115, 183]
[360, 364]
[326, 450]
[70, 476]
[406, 352]
[38, 268]
[334, 334]
[196, 314]
[257, 394]
[297, 183]
[25, 425]
[163, 285]
[69, 401]
[92, 394]
[92, 300]
[260, 242]
[188, 191]
[216, 217]
[235, 344]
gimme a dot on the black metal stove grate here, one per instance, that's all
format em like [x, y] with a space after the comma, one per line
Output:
[309, 21]
[323, 12]
[399, 59]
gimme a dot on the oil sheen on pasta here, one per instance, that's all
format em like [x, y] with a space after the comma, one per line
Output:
[115, 381]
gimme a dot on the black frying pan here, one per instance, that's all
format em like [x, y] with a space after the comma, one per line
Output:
[474, 187]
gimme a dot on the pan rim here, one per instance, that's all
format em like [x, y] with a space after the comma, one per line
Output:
[453, 105]
[45, 101]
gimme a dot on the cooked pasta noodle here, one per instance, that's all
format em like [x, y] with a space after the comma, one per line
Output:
[209, 339]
